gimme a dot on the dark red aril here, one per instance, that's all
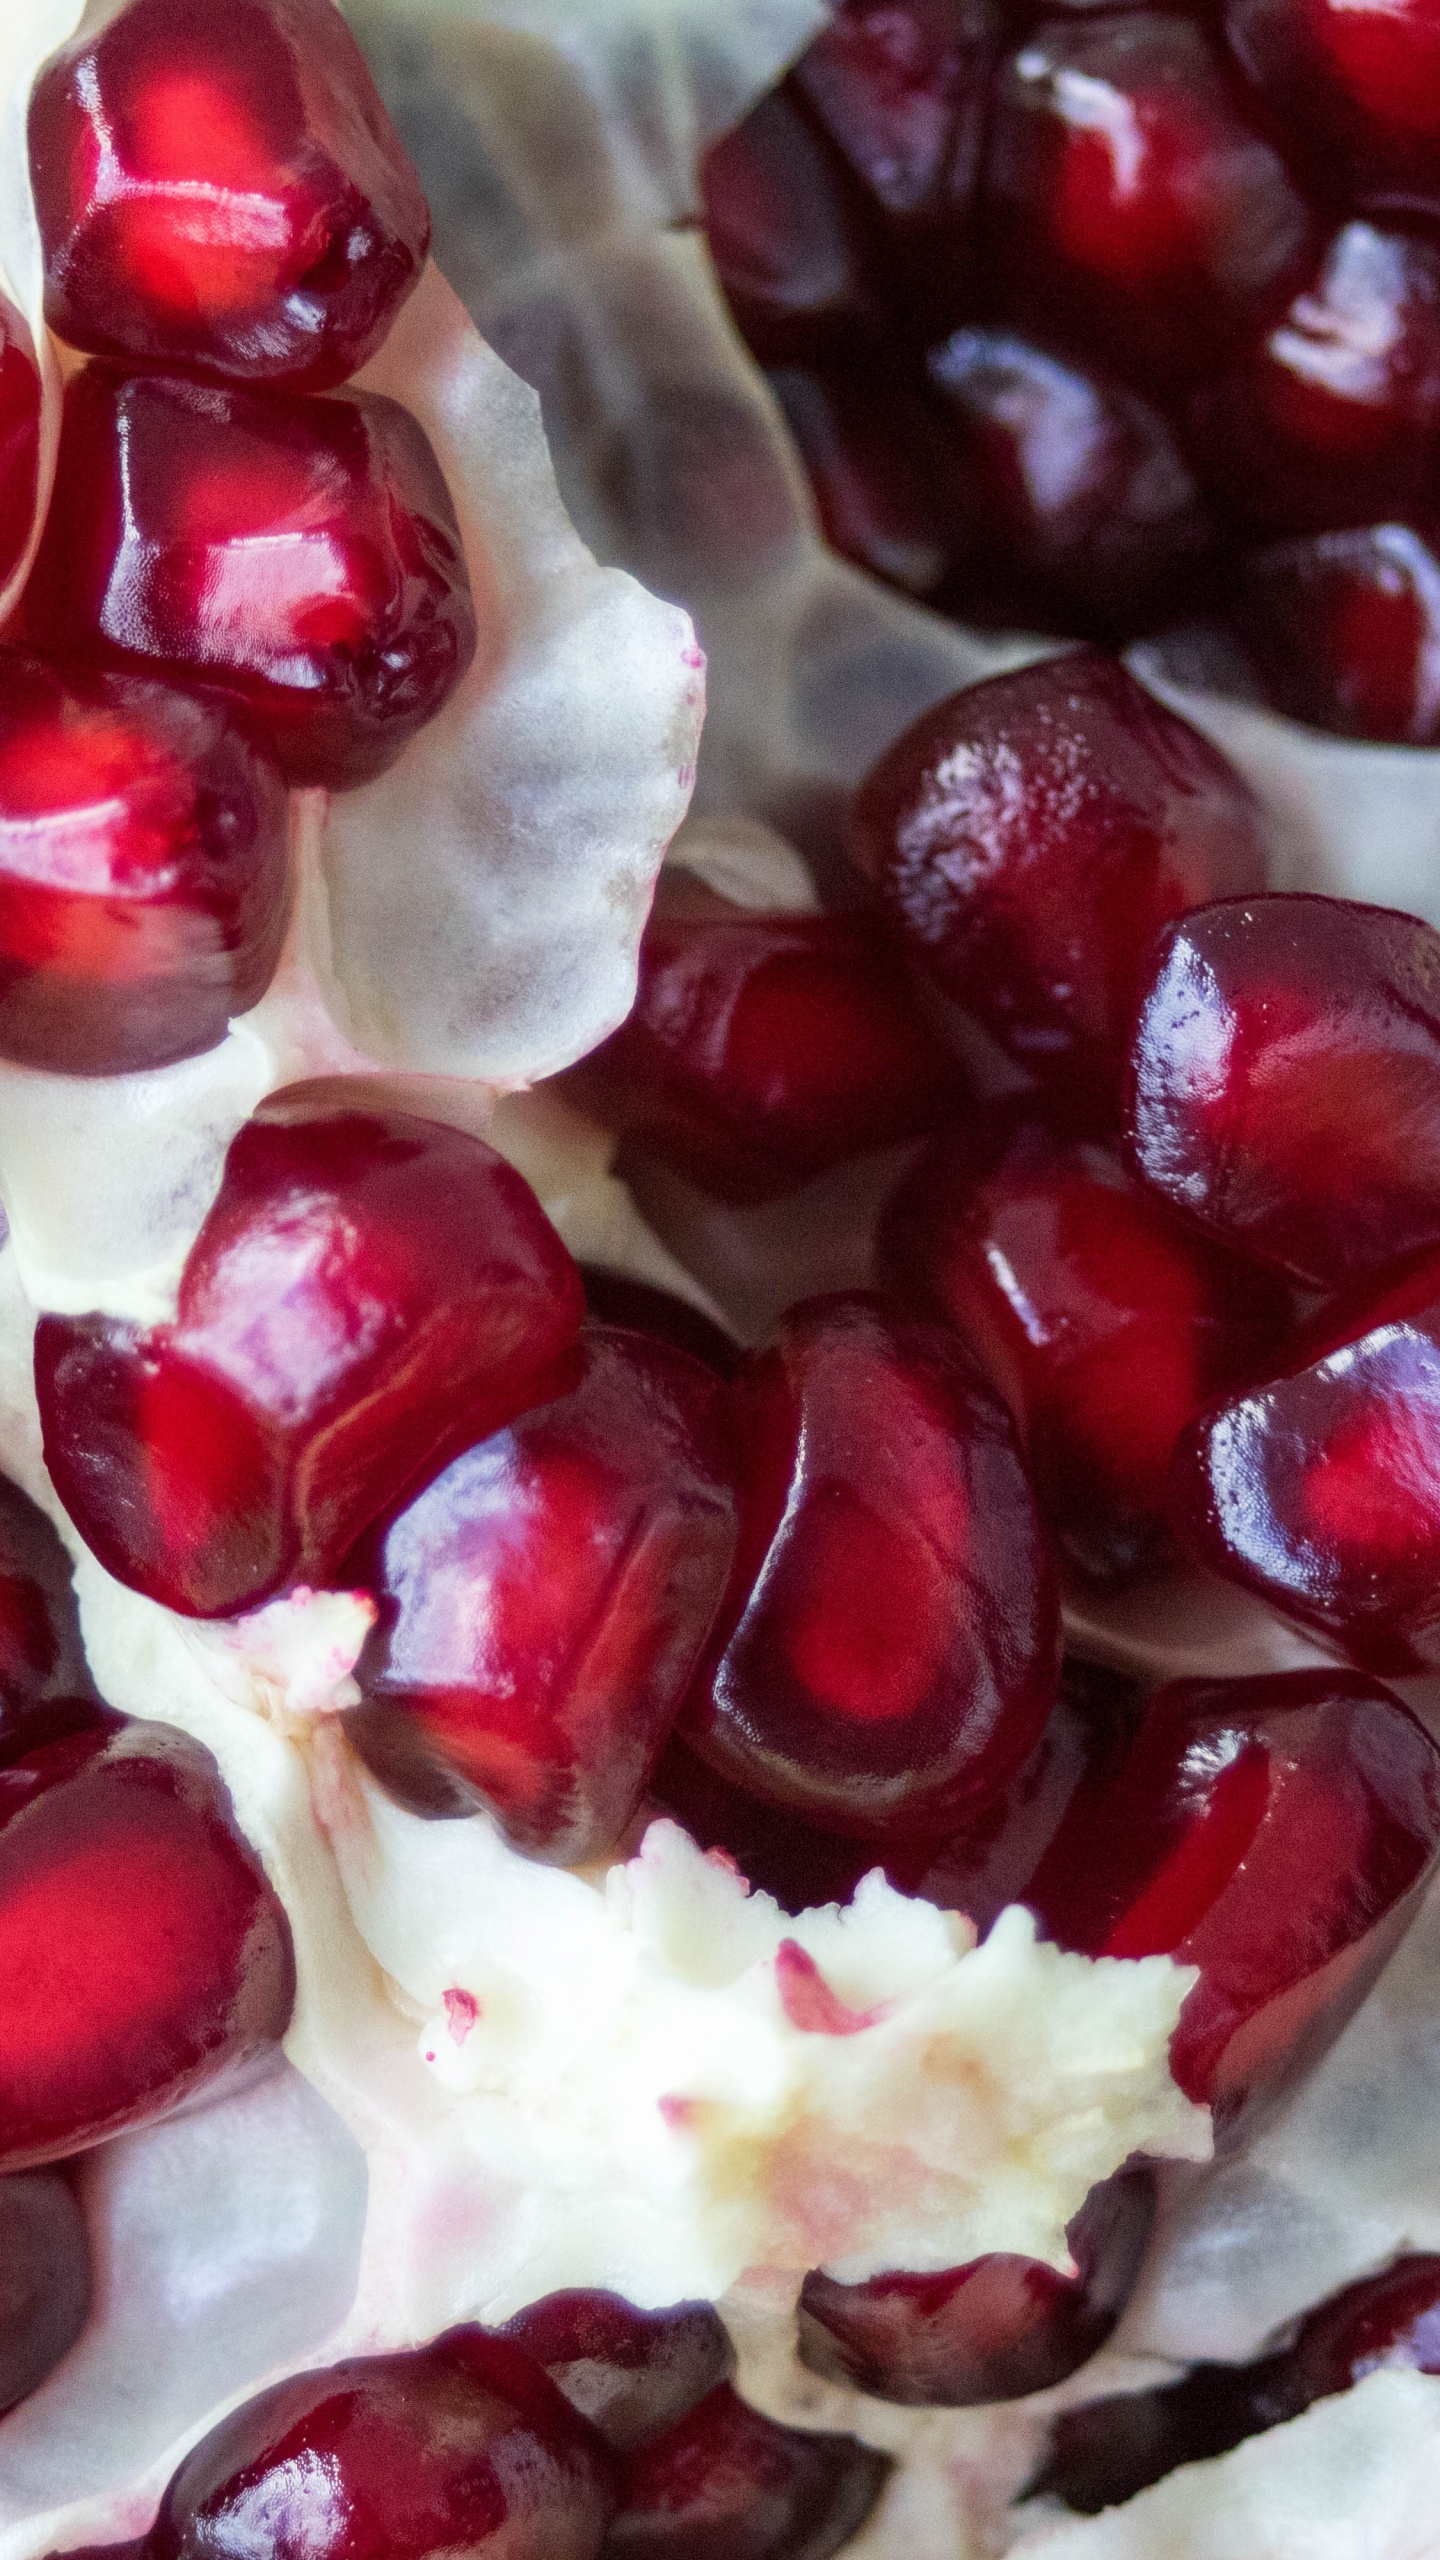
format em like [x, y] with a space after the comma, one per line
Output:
[632, 2373]
[888, 1650]
[369, 1293]
[1355, 81]
[302, 554]
[1132, 212]
[1285, 1082]
[1031, 835]
[1276, 1832]
[613, 1297]
[19, 437]
[881, 472]
[996, 2329]
[789, 234]
[729, 2484]
[771, 1847]
[143, 1955]
[1344, 630]
[46, 1691]
[543, 1604]
[763, 1049]
[223, 193]
[463, 2446]
[1102, 1323]
[44, 2280]
[899, 86]
[143, 887]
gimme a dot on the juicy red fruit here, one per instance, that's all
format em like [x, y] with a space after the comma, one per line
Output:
[1344, 630]
[888, 1649]
[143, 886]
[46, 1691]
[789, 241]
[1358, 81]
[544, 1601]
[19, 438]
[223, 192]
[632, 2373]
[368, 1292]
[729, 2484]
[143, 1956]
[176, 504]
[44, 2280]
[899, 86]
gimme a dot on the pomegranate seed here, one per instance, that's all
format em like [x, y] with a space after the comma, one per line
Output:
[1285, 1083]
[175, 504]
[461, 2446]
[19, 437]
[764, 1048]
[788, 234]
[544, 1602]
[729, 2484]
[143, 891]
[1131, 209]
[631, 2373]
[1360, 80]
[44, 2280]
[46, 1692]
[1105, 1327]
[881, 473]
[899, 86]
[888, 1650]
[995, 2329]
[226, 194]
[1275, 1832]
[801, 1866]
[1031, 835]
[1344, 630]
[614, 1298]
[142, 1953]
[367, 1289]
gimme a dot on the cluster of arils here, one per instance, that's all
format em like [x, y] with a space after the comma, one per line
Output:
[1090, 318]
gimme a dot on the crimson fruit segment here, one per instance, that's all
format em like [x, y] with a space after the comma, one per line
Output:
[632, 2373]
[461, 2446]
[1105, 1327]
[1285, 1082]
[774, 1851]
[19, 437]
[304, 554]
[614, 1298]
[1031, 835]
[888, 1650]
[143, 892]
[885, 482]
[729, 2484]
[46, 1691]
[901, 92]
[1344, 630]
[368, 1292]
[44, 2280]
[223, 191]
[142, 1953]
[791, 249]
[544, 1601]
[1360, 82]
[1275, 1832]
[993, 2330]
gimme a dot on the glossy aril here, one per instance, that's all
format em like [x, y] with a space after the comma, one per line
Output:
[1102, 1323]
[1344, 630]
[44, 2280]
[1285, 1082]
[1031, 835]
[995, 2329]
[303, 554]
[1275, 1832]
[789, 234]
[1131, 209]
[883, 477]
[143, 887]
[46, 1691]
[614, 1297]
[1358, 84]
[764, 1048]
[632, 2373]
[729, 2484]
[899, 86]
[369, 1292]
[799, 1864]
[223, 192]
[463, 2446]
[544, 1601]
[888, 1650]
[19, 437]
[142, 1953]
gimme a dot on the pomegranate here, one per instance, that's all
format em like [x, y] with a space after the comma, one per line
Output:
[46, 1692]
[886, 484]
[1360, 85]
[19, 437]
[732, 2485]
[1345, 629]
[638, 1306]
[44, 2280]
[901, 93]
[632, 2373]
[789, 242]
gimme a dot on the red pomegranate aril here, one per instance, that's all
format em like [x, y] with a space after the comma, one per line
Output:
[996, 2329]
[1344, 630]
[143, 885]
[1131, 209]
[1277, 1833]
[369, 1293]
[881, 474]
[1031, 835]
[1285, 1082]
[729, 2484]
[762, 1049]
[223, 192]
[888, 1650]
[143, 1955]
[632, 2373]
[19, 437]
[463, 2446]
[543, 1604]
[614, 1298]
[44, 2280]
[46, 1692]
[800, 1866]
[1102, 1323]
[899, 86]
[1358, 82]
[303, 554]
[788, 232]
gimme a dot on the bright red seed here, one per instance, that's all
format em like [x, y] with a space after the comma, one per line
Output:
[1358, 82]
[1344, 630]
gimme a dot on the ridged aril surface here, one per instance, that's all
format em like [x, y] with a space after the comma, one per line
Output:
[729, 2484]
[544, 1601]
[222, 191]
[302, 554]
[44, 2279]
[368, 1290]
[632, 2373]
[46, 1691]
[1344, 629]
[1358, 84]
[19, 437]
